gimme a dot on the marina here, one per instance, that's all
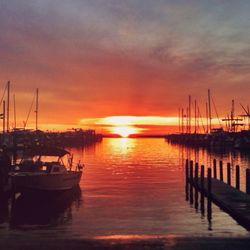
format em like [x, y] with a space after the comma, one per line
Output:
[124, 125]
[199, 130]
[148, 196]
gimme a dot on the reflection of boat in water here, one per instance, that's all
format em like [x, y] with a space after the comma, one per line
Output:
[44, 210]
[4, 209]
[44, 170]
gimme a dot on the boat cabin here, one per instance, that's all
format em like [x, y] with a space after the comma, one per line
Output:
[56, 169]
[46, 162]
[39, 166]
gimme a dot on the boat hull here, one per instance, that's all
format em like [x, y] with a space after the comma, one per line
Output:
[46, 182]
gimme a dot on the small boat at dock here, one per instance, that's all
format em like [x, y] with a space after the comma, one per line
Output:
[44, 170]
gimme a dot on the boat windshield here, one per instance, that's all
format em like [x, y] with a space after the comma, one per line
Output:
[46, 158]
[41, 162]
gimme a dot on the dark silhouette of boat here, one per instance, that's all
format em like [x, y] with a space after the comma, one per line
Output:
[44, 170]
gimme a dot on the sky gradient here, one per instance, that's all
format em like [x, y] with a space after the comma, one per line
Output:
[99, 58]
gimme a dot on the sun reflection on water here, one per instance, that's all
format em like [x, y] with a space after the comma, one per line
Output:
[123, 145]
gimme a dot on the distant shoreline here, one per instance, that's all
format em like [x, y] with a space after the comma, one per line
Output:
[133, 136]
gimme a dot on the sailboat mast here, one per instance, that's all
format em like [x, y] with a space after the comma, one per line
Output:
[195, 116]
[189, 114]
[37, 96]
[179, 110]
[8, 106]
[209, 110]
[4, 117]
[182, 121]
[207, 118]
[187, 127]
[14, 100]
[233, 127]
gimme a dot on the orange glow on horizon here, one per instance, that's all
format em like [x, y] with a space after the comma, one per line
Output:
[125, 126]
[124, 131]
[137, 120]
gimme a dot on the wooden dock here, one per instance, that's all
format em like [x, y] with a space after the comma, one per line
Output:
[235, 202]
[230, 199]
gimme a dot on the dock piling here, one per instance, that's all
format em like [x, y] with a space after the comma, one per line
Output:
[226, 195]
[215, 170]
[186, 167]
[202, 203]
[191, 172]
[209, 194]
[196, 172]
[202, 178]
[221, 170]
[191, 181]
[196, 196]
[209, 182]
[237, 177]
[187, 176]
[229, 173]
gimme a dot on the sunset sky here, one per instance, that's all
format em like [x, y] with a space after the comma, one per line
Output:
[93, 59]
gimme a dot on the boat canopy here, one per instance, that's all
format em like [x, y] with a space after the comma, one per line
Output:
[47, 151]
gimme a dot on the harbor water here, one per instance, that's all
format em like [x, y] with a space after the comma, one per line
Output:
[130, 188]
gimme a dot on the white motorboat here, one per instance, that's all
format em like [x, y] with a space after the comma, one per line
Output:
[46, 172]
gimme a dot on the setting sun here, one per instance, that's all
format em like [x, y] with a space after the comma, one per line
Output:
[131, 125]
[124, 131]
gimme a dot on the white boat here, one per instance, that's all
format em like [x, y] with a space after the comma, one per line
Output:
[46, 172]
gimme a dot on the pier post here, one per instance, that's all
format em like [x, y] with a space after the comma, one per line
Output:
[221, 170]
[215, 170]
[196, 172]
[202, 204]
[209, 202]
[228, 174]
[202, 178]
[237, 177]
[187, 178]
[196, 196]
[248, 181]
[209, 213]
[191, 182]
[186, 167]
[209, 182]
[191, 172]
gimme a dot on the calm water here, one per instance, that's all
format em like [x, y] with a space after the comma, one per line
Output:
[130, 188]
